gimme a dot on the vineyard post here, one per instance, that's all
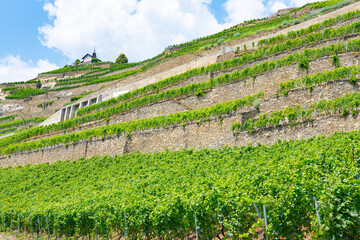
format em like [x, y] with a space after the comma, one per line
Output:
[11, 222]
[58, 227]
[4, 221]
[47, 223]
[196, 227]
[259, 215]
[32, 230]
[25, 224]
[265, 219]
[39, 225]
[125, 225]
[257, 210]
[95, 227]
[317, 211]
[19, 223]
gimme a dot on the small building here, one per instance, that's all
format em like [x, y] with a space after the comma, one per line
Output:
[87, 59]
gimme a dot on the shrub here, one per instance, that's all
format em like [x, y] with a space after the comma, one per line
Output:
[9, 88]
[304, 65]
[335, 61]
[311, 88]
[354, 112]
[38, 84]
[284, 23]
[95, 60]
[353, 80]
[24, 93]
[220, 41]
[122, 59]
[199, 93]
[256, 104]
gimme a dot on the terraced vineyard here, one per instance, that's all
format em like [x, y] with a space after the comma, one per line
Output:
[264, 143]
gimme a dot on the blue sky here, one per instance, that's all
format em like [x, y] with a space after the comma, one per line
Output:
[39, 35]
[19, 22]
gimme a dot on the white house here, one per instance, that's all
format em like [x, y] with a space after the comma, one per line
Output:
[89, 58]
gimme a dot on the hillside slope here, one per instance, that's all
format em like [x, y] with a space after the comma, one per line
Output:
[255, 137]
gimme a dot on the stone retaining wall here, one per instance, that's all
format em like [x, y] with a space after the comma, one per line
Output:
[52, 76]
[267, 82]
[212, 134]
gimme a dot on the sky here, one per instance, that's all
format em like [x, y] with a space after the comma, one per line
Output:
[42, 35]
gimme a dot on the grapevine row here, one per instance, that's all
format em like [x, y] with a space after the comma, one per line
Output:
[129, 127]
[255, 55]
[191, 89]
[158, 195]
[347, 104]
[308, 81]
[311, 29]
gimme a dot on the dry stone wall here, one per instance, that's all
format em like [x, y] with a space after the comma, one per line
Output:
[284, 54]
[267, 82]
[215, 133]
[52, 76]
[212, 134]
[303, 97]
[207, 76]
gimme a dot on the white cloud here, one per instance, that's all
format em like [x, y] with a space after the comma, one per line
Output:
[299, 3]
[14, 69]
[277, 6]
[240, 10]
[140, 29]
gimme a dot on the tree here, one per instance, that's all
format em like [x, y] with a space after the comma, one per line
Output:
[38, 84]
[77, 61]
[95, 60]
[122, 59]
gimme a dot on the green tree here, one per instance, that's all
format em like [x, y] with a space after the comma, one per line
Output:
[95, 60]
[38, 84]
[122, 59]
[77, 61]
